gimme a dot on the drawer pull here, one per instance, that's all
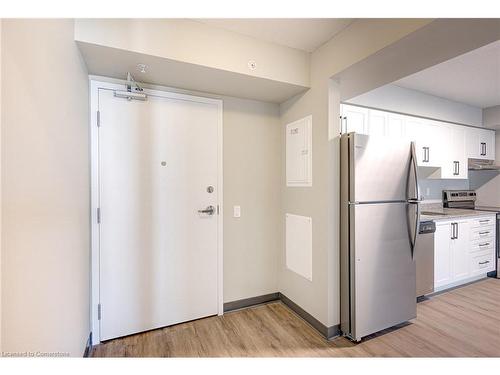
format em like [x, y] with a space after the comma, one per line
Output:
[483, 233]
[484, 244]
[485, 262]
[484, 221]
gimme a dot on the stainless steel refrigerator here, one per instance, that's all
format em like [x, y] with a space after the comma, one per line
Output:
[379, 226]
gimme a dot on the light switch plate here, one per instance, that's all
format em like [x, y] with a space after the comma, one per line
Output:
[236, 211]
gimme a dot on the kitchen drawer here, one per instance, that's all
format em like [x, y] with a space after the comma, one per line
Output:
[485, 221]
[483, 232]
[483, 262]
[483, 245]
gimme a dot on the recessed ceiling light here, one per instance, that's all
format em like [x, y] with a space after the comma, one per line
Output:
[142, 68]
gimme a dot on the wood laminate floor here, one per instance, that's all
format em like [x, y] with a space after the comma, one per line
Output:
[463, 322]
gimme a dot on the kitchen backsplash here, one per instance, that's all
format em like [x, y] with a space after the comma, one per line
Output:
[433, 189]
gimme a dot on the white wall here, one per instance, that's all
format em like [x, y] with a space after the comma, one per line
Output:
[45, 189]
[252, 176]
[400, 99]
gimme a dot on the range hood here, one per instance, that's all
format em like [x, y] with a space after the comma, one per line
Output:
[483, 165]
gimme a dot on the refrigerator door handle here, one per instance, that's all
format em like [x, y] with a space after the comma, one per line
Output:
[413, 228]
[412, 192]
[413, 197]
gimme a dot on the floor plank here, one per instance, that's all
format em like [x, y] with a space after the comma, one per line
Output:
[464, 322]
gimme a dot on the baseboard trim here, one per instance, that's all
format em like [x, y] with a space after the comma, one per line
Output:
[327, 332]
[88, 347]
[453, 287]
[252, 301]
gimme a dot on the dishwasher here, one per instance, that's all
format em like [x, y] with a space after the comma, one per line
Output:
[424, 258]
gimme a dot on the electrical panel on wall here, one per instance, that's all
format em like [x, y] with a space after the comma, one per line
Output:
[299, 153]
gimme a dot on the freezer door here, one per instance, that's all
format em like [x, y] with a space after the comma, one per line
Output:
[379, 168]
[384, 274]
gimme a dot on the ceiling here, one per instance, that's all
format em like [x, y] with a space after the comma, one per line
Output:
[301, 33]
[472, 78]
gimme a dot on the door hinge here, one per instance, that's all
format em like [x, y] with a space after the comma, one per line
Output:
[99, 311]
[98, 216]
[98, 119]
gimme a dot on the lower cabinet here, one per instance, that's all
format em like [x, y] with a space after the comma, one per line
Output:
[463, 250]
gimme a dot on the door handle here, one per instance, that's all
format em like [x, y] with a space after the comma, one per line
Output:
[209, 210]
[483, 149]
[454, 231]
[426, 154]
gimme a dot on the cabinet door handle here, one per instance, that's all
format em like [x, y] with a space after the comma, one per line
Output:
[454, 231]
[483, 233]
[485, 262]
[428, 154]
[484, 244]
[426, 157]
[483, 149]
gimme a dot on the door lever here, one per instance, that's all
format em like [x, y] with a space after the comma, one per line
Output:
[209, 210]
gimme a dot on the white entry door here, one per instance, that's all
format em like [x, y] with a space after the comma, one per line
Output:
[158, 166]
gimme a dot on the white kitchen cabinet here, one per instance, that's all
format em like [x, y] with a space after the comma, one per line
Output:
[463, 251]
[443, 147]
[442, 255]
[487, 138]
[428, 138]
[454, 162]
[354, 119]
[480, 143]
[460, 251]
[387, 124]
[371, 121]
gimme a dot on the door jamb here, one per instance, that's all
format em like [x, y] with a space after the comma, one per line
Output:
[95, 86]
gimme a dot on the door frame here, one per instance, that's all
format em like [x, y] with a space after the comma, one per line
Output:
[95, 86]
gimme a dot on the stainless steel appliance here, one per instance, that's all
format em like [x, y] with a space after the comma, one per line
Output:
[466, 199]
[379, 225]
[424, 258]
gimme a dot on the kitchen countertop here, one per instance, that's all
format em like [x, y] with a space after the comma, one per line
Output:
[441, 213]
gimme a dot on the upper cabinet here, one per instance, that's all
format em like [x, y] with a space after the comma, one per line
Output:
[371, 122]
[354, 119]
[480, 143]
[454, 163]
[443, 147]
[427, 136]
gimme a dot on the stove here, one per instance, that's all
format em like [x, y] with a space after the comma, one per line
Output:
[466, 199]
